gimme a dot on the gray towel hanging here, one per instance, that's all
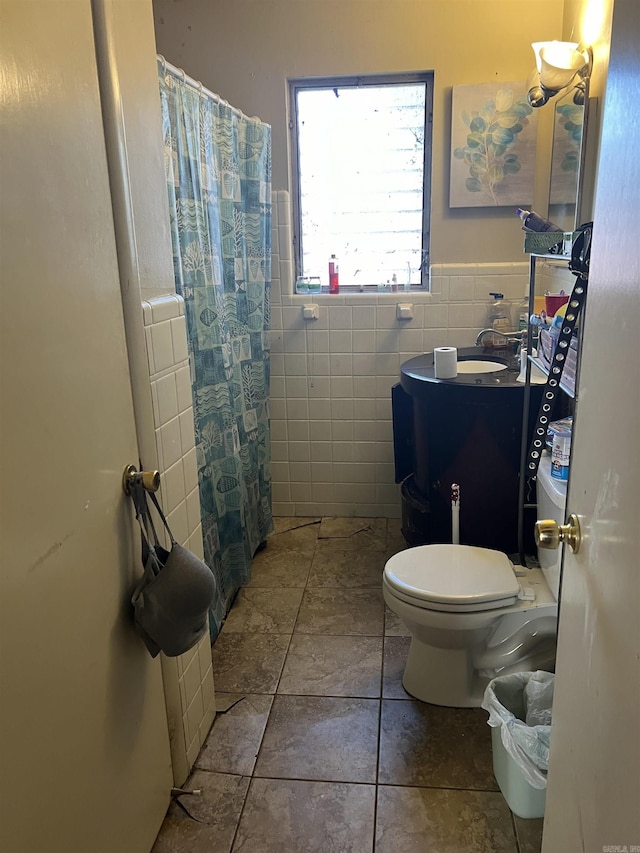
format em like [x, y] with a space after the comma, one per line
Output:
[172, 599]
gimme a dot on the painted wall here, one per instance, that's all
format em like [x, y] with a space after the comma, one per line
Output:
[589, 22]
[245, 51]
[332, 440]
[331, 378]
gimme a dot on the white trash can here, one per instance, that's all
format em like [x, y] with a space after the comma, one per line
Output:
[522, 798]
[519, 707]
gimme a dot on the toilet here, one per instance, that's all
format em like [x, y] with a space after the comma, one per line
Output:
[472, 614]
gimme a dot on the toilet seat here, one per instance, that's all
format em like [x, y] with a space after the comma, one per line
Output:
[459, 578]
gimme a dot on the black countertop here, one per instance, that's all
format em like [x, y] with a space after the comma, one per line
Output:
[421, 369]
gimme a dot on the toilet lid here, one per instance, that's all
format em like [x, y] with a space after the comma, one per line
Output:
[452, 574]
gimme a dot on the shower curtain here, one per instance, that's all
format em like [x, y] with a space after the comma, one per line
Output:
[218, 166]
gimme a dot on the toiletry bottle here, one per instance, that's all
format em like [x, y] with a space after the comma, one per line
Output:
[498, 319]
[533, 222]
[522, 314]
[334, 284]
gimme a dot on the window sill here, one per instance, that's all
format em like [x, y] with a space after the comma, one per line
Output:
[367, 291]
[366, 298]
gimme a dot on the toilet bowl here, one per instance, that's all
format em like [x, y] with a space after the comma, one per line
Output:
[472, 614]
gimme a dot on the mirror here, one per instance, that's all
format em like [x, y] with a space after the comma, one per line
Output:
[569, 132]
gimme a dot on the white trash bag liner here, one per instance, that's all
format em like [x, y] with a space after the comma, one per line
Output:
[521, 705]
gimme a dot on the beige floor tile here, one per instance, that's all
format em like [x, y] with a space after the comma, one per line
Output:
[264, 611]
[287, 816]
[296, 538]
[424, 820]
[332, 666]
[217, 811]
[396, 650]
[355, 569]
[353, 534]
[277, 568]
[249, 663]
[290, 522]
[234, 740]
[395, 540]
[320, 732]
[431, 746]
[341, 611]
[393, 625]
[529, 834]
[320, 738]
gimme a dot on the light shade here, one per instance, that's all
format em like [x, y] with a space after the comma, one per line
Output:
[557, 63]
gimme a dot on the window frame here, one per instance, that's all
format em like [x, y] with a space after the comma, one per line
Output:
[353, 81]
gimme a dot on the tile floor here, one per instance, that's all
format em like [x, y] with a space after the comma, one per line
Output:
[316, 747]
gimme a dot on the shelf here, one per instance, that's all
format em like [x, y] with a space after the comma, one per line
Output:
[537, 246]
[568, 390]
[539, 243]
[549, 257]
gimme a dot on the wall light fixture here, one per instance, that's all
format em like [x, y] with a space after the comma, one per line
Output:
[557, 65]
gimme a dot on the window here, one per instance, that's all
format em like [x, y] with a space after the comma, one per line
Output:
[361, 158]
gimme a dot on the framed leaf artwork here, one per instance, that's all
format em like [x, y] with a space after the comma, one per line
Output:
[493, 146]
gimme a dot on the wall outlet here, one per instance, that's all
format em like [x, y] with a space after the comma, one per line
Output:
[404, 311]
[311, 311]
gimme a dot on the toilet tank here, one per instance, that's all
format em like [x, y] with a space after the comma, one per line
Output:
[552, 503]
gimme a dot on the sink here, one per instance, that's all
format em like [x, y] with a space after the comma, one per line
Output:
[477, 366]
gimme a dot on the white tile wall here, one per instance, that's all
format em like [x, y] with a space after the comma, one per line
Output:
[188, 679]
[332, 444]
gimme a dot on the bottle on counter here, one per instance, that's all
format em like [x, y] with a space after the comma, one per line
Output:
[522, 314]
[498, 319]
[532, 221]
[334, 283]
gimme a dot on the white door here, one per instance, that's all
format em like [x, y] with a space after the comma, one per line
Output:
[593, 798]
[84, 753]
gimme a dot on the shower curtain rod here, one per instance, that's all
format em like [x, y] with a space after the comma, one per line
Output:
[197, 85]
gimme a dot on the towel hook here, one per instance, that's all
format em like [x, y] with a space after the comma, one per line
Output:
[150, 479]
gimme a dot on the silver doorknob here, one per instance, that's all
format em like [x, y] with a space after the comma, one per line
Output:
[549, 534]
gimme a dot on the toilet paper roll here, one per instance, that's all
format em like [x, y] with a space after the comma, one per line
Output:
[445, 360]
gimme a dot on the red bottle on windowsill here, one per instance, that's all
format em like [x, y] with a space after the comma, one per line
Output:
[334, 284]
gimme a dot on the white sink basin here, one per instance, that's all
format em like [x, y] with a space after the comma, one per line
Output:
[477, 366]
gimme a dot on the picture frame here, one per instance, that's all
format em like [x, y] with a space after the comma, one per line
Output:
[493, 145]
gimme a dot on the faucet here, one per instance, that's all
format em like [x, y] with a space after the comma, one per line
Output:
[509, 337]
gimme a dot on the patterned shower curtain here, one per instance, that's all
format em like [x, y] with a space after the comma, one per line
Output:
[218, 165]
